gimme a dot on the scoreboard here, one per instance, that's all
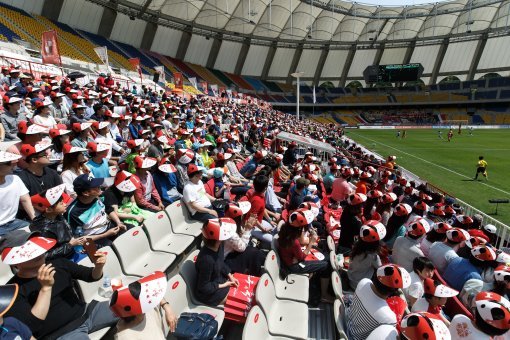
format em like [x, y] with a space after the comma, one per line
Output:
[392, 73]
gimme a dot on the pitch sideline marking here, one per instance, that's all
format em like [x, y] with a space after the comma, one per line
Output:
[429, 162]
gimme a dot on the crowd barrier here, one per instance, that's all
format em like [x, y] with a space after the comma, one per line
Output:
[445, 126]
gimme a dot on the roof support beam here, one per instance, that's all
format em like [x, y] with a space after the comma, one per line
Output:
[144, 8]
[476, 58]
[378, 54]
[439, 60]
[108, 19]
[51, 9]
[183, 45]
[215, 49]
[347, 65]
[242, 57]
[148, 35]
[269, 61]
[409, 52]
[295, 63]
[320, 66]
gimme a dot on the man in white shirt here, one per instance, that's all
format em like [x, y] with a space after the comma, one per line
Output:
[104, 137]
[13, 192]
[369, 308]
[407, 248]
[196, 198]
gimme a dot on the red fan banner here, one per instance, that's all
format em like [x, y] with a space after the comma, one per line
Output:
[178, 80]
[135, 62]
[49, 48]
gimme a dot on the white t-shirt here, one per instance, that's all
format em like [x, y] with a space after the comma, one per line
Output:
[367, 312]
[425, 246]
[405, 250]
[462, 328]
[441, 254]
[10, 192]
[421, 305]
[195, 193]
[150, 328]
[415, 289]
[45, 121]
[384, 332]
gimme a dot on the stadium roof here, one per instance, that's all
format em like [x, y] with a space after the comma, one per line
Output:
[330, 20]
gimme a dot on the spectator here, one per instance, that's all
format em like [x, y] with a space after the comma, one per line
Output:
[146, 194]
[104, 137]
[341, 189]
[263, 230]
[422, 269]
[249, 169]
[365, 183]
[47, 302]
[73, 166]
[435, 297]
[42, 114]
[58, 110]
[11, 117]
[369, 308]
[156, 148]
[134, 146]
[351, 217]
[13, 193]
[395, 226]
[196, 198]
[78, 115]
[417, 326]
[364, 258]
[52, 205]
[98, 163]
[166, 183]
[82, 135]
[13, 328]
[88, 212]
[38, 176]
[214, 277]
[298, 193]
[441, 253]
[140, 317]
[436, 234]
[407, 248]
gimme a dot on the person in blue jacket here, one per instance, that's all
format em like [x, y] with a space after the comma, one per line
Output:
[166, 182]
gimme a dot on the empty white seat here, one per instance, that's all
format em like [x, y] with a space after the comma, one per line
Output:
[181, 221]
[99, 334]
[178, 296]
[5, 273]
[333, 261]
[255, 327]
[331, 243]
[336, 282]
[162, 238]
[135, 255]
[285, 318]
[112, 268]
[339, 315]
[293, 287]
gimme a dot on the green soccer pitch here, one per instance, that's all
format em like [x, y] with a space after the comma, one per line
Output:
[450, 166]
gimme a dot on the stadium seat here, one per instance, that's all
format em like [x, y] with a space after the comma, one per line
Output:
[143, 261]
[285, 317]
[336, 282]
[331, 243]
[5, 273]
[293, 287]
[180, 220]
[256, 327]
[333, 261]
[161, 236]
[99, 334]
[339, 314]
[178, 296]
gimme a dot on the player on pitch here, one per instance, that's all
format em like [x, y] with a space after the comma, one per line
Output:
[481, 167]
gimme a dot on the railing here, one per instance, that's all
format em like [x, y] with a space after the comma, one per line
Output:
[36, 69]
[503, 230]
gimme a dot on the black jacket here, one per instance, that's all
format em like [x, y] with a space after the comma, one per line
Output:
[57, 229]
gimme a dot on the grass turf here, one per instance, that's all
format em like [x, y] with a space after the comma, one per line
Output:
[451, 166]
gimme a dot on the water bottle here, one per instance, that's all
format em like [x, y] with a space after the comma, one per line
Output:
[106, 288]
[78, 233]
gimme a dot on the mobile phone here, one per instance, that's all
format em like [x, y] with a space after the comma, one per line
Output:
[91, 249]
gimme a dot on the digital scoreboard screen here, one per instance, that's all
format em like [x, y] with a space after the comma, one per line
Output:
[393, 73]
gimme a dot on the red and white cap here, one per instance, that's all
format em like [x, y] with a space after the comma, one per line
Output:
[219, 229]
[310, 206]
[393, 276]
[29, 250]
[140, 296]
[402, 209]
[475, 241]
[435, 288]
[421, 205]
[166, 166]
[301, 218]
[418, 227]
[8, 157]
[494, 309]
[100, 125]
[50, 197]
[144, 162]
[356, 199]
[78, 127]
[374, 194]
[388, 198]
[223, 156]
[28, 150]
[484, 253]
[126, 182]
[441, 227]
[133, 143]
[457, 235]
[502, 273]
[419, 326]
[162, 138]
[372, 231]
[109, 113]
[185, 156]
[97, 147]
[32, 129]
[68, 148]
[58, 132]
[464, 219]
[238, 209]
[12, 100]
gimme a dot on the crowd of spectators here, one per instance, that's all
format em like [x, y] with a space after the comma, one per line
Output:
[87, 163]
